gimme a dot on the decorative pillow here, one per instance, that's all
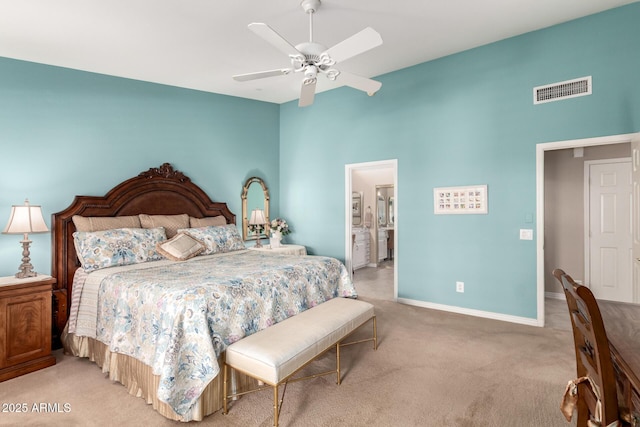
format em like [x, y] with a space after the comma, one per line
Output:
[171, 223]
[217, 239]
[180, 247]
[99, 223]
[121, 246]
[207, 221]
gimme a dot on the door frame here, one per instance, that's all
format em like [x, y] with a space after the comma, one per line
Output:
[587, 213]
[348, 188]
[540, 150]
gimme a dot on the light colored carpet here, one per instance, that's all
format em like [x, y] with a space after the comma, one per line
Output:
[431, 369]
[375, 282]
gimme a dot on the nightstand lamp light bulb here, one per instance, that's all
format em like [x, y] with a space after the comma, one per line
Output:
[26, 219]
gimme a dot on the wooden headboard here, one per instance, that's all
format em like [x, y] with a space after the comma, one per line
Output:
[158, 191]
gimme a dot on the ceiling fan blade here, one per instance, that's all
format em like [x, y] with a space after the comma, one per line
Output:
[355, 45]
[307, 93]
[261, 74]
[358, 82]
[270, 35]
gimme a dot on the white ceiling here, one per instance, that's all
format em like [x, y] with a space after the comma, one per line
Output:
[200, 44]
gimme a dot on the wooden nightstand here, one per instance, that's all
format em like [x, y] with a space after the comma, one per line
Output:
[25, 325]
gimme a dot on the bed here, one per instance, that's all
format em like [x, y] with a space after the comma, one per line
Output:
[156, 321]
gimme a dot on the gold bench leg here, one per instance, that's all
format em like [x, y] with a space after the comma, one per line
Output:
[338, 363]
[224, 389]
[275, 406]
[375, 334]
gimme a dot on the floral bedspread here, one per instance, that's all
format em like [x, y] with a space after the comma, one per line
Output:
[178, 317]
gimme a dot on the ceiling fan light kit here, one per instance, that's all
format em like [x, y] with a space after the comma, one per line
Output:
[311, 58]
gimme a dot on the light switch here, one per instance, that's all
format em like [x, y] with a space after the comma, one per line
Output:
[526, 234]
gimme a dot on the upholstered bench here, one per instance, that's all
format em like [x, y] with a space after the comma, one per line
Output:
[273, 355]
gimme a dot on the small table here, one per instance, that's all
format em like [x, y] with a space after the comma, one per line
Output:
[282, 250]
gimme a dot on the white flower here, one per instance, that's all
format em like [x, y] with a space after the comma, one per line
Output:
[280, 225]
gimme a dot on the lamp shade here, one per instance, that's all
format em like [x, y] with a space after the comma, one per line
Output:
[257, 217]
[26, 219]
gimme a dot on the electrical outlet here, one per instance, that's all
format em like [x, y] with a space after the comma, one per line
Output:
[459, 286]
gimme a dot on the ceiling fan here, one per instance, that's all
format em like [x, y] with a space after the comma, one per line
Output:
[311, 58]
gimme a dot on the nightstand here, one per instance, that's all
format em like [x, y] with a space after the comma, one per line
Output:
[25, 325]
[282, 250]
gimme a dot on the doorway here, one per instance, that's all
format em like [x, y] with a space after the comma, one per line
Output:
[541, 225]
[378, 277]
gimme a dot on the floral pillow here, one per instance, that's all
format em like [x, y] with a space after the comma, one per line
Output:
[217, 239]
[120, 246]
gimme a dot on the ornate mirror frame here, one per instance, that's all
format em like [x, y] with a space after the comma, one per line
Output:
[246, 235]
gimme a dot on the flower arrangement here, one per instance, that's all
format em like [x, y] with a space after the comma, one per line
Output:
[280, 225]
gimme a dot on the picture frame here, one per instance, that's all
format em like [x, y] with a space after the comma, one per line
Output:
[468, 199]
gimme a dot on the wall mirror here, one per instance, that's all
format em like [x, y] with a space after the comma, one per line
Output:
[384, 205]
[382, 210]
[255, 195]
[356, 208]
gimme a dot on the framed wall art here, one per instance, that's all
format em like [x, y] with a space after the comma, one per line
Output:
[468, 199]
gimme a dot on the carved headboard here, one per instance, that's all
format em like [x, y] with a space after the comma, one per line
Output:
[158, 191]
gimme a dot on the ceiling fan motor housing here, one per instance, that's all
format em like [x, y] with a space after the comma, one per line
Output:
[310, 6]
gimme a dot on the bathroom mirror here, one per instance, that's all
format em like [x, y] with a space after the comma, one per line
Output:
[255, 195]
[382, 210]
[356, 208]
[384, 205]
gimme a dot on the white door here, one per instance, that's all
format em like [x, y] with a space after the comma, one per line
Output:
[635, 178]
[610, 248]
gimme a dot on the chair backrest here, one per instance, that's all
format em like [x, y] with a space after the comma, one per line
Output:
[593, 356]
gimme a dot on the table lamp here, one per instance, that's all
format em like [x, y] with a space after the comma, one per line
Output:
[26, 219]
[256, 224]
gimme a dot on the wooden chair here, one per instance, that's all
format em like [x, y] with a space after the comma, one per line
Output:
[593, 357]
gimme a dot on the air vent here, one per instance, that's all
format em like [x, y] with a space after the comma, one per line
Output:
[562, 90]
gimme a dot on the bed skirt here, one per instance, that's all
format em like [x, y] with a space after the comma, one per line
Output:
[140, 381]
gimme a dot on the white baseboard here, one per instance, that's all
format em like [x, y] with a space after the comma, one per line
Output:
[471, 312]
[555, 295]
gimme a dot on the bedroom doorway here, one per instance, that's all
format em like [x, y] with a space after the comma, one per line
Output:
[543, 227]
[371, 239]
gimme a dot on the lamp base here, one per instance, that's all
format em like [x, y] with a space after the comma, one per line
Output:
[258, 243]
[25, 272]
[26, 269]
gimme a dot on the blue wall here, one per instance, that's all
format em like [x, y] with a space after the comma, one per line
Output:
[65, 133]
[465, 119]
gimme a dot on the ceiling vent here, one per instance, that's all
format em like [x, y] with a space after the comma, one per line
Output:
[562, 90]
